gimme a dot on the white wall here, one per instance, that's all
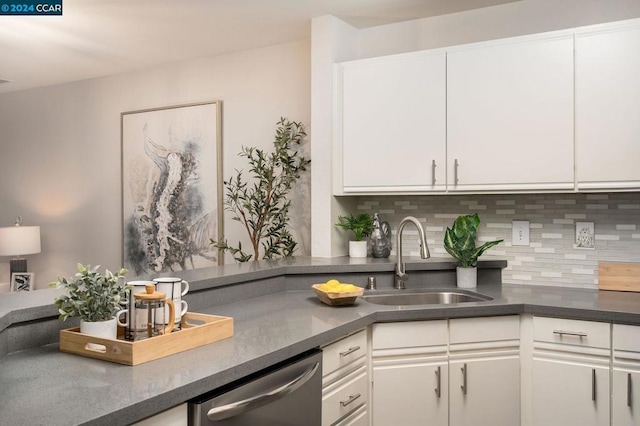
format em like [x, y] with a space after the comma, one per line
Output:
[60, 146]
[489, 23]
[507, 20]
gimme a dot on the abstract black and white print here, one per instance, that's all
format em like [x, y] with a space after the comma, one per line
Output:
[170, 188]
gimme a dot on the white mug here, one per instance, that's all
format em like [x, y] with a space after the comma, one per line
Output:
[119, 320]
[174, 288]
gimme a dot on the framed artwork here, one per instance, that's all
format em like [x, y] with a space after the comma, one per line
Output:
[585, 235]
[171, 187]
[22, 281]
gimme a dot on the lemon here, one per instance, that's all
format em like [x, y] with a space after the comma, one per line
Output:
[332, 283]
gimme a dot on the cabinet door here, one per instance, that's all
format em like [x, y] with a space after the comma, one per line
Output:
[566, 393]
[607, 108]
[626, 397]
[485, 392]
[410, 393]
[510, 115]
[393, 123]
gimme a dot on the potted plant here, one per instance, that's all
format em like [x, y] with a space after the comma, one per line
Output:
[92, 297]
[361, 225]
[460, 242]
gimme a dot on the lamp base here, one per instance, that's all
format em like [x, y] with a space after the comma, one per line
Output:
[17, 265]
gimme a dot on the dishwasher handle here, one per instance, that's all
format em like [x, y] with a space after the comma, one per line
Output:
[238, 407]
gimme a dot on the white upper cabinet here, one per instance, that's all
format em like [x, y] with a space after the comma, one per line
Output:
[390, 125]
[510, 115]
[608, 107]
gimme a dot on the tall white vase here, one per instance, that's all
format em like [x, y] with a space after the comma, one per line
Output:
[467, 277]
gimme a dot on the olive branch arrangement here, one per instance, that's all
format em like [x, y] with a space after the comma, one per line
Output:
[261, 205]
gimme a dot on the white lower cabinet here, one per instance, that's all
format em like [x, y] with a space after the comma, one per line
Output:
[456, 372]
[626, 375]
[484, 371]
[345, 381]
[570, 380]
[410, 373]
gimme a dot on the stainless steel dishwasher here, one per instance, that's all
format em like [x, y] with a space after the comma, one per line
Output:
[286, 394]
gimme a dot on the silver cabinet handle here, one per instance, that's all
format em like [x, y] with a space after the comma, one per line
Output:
[570, 333]
[433, 172]
[455, 171]
[593, 384]
[437, 389]
[629, 391]
[464, 379]
[350, 351]
[350, 400]
[238, 407]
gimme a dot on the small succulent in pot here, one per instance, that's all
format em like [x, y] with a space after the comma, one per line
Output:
[460, 240]
[92, 297]
[361, 224]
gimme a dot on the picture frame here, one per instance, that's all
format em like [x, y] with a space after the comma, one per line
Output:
[171, 164]
[22, 281]
[585, 237]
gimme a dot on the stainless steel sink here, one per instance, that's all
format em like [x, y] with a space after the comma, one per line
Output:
[425, 297]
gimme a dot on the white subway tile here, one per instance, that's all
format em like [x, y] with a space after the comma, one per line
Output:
[575, 216]
[605, 237]
[551, 236]
[622, 227]
[544, 250]
[575, 256]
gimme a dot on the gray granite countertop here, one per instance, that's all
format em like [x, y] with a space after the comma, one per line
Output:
[44, 386]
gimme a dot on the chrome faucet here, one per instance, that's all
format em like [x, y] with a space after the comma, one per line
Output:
[401, 275]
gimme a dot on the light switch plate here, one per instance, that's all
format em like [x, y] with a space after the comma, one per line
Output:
[520, 233]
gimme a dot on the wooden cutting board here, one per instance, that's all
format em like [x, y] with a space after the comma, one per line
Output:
[619, 276]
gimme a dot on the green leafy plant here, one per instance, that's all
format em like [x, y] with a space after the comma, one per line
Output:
[262, 206]
[460, 240]
[92, 296]
[361, 224]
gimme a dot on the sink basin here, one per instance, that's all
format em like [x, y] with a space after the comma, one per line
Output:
[425, 297]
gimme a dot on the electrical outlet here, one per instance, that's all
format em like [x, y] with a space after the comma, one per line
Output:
[520, 233]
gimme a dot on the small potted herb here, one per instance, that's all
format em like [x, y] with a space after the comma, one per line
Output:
[361, 225]
[460, 242]
[92, 297]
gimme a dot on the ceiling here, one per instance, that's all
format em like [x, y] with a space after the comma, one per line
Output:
[95, 38]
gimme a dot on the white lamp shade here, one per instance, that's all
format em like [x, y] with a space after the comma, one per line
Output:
[19, 240]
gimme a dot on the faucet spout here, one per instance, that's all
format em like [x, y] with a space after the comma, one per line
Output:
[401, 275]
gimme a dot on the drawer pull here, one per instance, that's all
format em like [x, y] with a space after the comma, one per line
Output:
[629, 391]
[350, 351]
[464, 379]
[593, 384]
[350, 400]
[570, 333]
[437, 389]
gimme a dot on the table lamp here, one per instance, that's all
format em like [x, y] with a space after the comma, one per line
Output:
[17, 241]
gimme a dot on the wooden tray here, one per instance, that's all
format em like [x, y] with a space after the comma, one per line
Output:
[334, 298]
[197, 330]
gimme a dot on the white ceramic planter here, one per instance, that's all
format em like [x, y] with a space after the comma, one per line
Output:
[107, 329]
[358, 249]
[467, 277]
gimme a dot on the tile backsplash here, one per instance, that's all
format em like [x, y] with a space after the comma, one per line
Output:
[551, 259]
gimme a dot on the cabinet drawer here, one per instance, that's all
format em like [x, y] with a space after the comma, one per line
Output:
[571, 332]
[343, 352]
[626, 338]
[484, 329]
[359, 417]
[409, 334]
[349, 394]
